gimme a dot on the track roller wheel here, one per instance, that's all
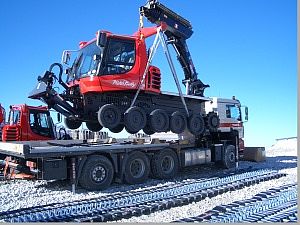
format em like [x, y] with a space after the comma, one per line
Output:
[137, 168]
[72, 124]
[178, 122]
[196, 124]
[159, 121]
[212, 121]
[93, 126]
[134, 119]
[97, 173]
[165, 164]
[147, 130]
[109, 116]
[117, 129]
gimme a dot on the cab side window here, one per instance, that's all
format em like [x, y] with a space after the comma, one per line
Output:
[120, 56]
[39, 123]
[233, 112]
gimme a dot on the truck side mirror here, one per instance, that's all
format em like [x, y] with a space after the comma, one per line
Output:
[246, 113]
[101, 39]
[66, 57]
[58, 117]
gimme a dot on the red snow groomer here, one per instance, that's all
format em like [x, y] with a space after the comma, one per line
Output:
[112, 82]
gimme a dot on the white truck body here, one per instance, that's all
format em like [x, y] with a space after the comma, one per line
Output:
[230, 114]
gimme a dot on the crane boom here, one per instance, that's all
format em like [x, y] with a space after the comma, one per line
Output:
[178, 31]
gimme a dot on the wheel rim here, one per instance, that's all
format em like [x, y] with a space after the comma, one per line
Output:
[108, 116]
[167, 164]
[196, 125]
[135, 120]
[98, 173]
[159, 121]
[178, 123]
[231, 157]
[137, 168]
[214, 121]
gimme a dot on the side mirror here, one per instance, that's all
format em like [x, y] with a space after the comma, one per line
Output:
[59, 117]
[101, 39]
[246, 113]
[66, 57]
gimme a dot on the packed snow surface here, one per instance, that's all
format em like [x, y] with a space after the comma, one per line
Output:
[281, 156]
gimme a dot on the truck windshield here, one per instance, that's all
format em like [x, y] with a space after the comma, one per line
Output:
[85, 64]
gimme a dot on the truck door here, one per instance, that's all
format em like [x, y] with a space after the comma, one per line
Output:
[40, 125]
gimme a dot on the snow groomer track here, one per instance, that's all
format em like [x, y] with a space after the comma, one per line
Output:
[114, 207]
[275, 205]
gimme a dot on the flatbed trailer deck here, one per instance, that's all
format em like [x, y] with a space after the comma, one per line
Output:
[94, 165]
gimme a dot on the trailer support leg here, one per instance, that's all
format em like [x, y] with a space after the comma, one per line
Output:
[5, 169]
[73, 174]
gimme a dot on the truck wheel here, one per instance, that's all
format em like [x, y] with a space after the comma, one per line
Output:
[177, 122]
[97, 173]
[109, 116]
[117, 129]
[159, 121]
[72, 124]
[196, 124]
[229, 157]
[147, 130]
[165, 164]
[137, 168]
[93, 126]
[134, 119]
[212, 121]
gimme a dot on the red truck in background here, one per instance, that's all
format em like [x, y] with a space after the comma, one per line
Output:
[27, 123]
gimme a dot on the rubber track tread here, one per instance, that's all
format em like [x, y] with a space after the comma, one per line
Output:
[275, 205]
[126, 205]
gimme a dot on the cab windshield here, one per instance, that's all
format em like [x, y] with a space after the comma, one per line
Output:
[85, 63]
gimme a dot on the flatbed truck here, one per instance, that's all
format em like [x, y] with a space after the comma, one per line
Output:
[94, 166]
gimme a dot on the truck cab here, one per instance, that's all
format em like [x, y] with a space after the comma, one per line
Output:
[230, 112]
[28, 123]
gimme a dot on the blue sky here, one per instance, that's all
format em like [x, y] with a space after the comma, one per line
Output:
[243, 48]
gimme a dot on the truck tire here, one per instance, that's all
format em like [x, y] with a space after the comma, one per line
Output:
[196, 124]
[135, 119]
[228, 160]
[97, 173]
[159, 121]
[165, 164]
[212, 121]
[93, 126]
[109, 116]
[177, 122]
[72, 124]
[137, 168]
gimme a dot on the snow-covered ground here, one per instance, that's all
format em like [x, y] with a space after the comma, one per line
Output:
[281, 156]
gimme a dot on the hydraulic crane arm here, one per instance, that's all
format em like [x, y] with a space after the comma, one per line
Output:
[178, 31]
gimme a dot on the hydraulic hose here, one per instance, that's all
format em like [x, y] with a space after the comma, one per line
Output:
[60, 81]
